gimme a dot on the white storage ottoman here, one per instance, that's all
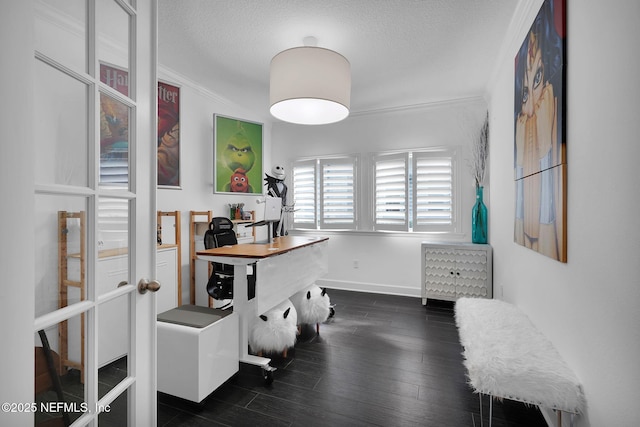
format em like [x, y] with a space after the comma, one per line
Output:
[198, 350]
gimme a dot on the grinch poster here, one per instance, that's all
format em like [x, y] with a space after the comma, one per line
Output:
[238, 156]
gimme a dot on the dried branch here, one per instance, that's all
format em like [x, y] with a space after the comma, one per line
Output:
[479, 153]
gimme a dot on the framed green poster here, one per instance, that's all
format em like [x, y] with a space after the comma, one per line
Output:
[237, 150]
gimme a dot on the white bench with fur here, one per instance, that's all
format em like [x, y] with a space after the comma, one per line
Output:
[507, 357]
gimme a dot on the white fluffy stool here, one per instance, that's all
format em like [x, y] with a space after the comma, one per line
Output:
[275, 330]
[313, 306]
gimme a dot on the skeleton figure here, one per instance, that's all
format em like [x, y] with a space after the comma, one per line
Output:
[277, 188]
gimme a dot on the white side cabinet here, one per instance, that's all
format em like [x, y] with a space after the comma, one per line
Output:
[113, 335]
[167, 275]
[454, 270]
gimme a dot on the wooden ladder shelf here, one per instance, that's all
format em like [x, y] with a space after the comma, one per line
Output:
[197, 218]
[64, 283]
[177, 240]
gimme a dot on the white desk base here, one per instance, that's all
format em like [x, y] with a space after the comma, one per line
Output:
[277, 278]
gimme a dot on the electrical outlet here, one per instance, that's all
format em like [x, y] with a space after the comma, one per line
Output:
[356, 263]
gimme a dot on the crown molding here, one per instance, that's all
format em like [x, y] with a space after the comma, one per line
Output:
[422, 106]
[520, 22]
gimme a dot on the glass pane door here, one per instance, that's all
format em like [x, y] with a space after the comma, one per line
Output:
[88, 129]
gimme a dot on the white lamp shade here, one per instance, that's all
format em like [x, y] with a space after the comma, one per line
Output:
[310, 86]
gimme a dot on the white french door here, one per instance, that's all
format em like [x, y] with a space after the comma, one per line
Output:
[93, 198]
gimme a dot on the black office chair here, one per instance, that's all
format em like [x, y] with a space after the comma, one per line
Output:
[220, 284]
[47, 381]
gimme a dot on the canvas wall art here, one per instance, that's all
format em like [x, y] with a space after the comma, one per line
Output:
[115, 77]
[238, 156]
[114, 128]
[540, 136]
[168, 135]
[114, 142]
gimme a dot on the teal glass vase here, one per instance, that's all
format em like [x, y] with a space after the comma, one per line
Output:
[479, 219]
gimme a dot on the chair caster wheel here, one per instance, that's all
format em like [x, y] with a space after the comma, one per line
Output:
[267, 375]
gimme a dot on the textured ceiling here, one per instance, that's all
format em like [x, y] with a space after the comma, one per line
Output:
[402, 52]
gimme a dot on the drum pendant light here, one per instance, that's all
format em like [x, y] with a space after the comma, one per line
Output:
[310, 85]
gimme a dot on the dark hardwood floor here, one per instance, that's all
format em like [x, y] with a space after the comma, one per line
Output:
[380, 361]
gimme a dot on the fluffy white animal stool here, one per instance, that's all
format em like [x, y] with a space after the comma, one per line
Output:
[275, 330]
[313, 306]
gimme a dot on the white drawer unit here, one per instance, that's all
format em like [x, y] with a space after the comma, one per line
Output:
[167, 275]
[454, 270]
[112, 269]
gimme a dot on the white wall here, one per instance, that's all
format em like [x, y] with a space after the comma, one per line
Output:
[198, 106]
[386, 262]
[588, 306]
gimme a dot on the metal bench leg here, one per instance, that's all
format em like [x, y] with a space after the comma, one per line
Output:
[490, 410]
[572, 418]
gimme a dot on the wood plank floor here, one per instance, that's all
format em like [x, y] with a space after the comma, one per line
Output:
[380, 361]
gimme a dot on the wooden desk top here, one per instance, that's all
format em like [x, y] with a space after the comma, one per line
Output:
[279, 246]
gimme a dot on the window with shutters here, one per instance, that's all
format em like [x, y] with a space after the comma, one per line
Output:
[410, 191]
[433, 190]
[337, 193]
[391, 195]
[414, 191]
[304, 194]
[324, 193]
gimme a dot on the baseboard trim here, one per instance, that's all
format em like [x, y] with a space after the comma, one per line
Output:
[374, 288]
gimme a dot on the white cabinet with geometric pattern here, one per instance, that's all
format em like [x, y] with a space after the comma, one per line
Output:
[454, 270]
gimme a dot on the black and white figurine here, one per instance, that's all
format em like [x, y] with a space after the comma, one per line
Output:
[277, 188]
[313, 306]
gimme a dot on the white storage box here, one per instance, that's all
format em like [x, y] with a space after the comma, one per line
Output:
[197, 350]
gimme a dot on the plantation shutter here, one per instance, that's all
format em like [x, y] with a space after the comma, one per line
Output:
[113, 222]
[433, 184]
[304, 194]
[337, 193]
[391, 199]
